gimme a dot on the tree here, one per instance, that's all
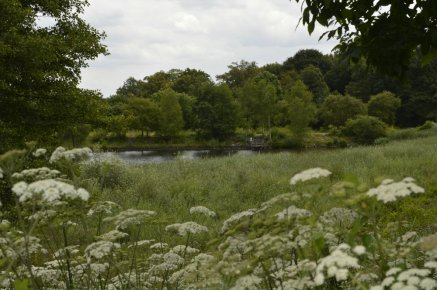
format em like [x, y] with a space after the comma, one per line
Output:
[258, 98]
[313, 79]
[384, 106]
[406, 26]
[306, 57]
[171, 120]
[131, 87]
[337, 109]
[239, 73]
[300, 109]
[144, 114]
[190, 81]
[216, 111]
[40, 65]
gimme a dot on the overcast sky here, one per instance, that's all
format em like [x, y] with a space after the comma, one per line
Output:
[146, 36]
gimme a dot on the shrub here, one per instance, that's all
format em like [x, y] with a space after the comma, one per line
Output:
[365, 129]
[337, 109]
[384, 106]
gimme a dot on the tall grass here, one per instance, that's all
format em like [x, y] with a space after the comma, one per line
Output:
[232, 184]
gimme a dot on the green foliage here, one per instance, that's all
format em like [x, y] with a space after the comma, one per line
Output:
[258, 97]
[217, 112]
[239, 73]
[365, 129]
[40, 67]
[407, 26]
[313, 79]
[384, 106]
[143, 114]
[337, 109]
[300, 109]
[307, 57]
[171, 120]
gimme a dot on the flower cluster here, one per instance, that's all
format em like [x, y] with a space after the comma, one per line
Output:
[236, 218]
[130, 217]
[39, 152]
[202, 210]
[100, 249]
[48, 190]
[187, 228]
[413, 278]
[389, 190]
[309, 174]
[36, 174]
[337, 265]
[293, 212]
[73, 154]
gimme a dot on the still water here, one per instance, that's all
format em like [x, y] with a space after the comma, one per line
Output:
[144, 157]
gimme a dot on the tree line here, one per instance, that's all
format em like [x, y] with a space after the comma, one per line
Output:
[308, 90]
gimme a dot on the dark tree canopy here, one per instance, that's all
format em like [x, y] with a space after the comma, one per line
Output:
[384, 32]
[40, 66]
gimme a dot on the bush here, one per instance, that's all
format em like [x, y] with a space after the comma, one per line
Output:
[384, 106]
[337, 109]
[365, 129]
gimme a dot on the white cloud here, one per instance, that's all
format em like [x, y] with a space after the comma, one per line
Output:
[145, 36]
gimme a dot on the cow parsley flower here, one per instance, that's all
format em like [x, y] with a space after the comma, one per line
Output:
[236, 218]
[103, 207]
[428, 244]
[187, 228]
[202, 210]
[141, 243]
[247, 282]
[309, 174]
[48, 190]
[390, 191]
[36, 174]
[359, 250]
[130, 217]
[182, 249]
[100, 249]
[412, 278]
[337, 265]
[112, 236]
[338, 217]
[159, 246]
[293, 212]
[39, 152]
[73, 154]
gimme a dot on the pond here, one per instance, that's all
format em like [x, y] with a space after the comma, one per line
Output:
[145, 157]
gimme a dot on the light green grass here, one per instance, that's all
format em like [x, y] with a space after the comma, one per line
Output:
[232, 184]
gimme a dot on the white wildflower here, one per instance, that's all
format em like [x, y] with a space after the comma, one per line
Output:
[247, 282]
[1, 173]
[141, 243]
[236, 218]
[130, 217]
[48, 190]
[70, 250]
[293, 212]
[112, 236]
[337, 265]
[73, 154]
[359, 250]
[103, 207]
[39, 152]
[309, 174]
[159, 246]
[338, 217]
[100, 249]
[412, 278]
[202, 210]
[428, 244]
[29, 245]
[187, 228]
[181, 249]
[390, 191]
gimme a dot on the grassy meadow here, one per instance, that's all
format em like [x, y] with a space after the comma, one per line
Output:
[108, 225]
[232, 184]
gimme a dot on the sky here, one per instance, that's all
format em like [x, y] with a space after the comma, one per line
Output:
[146, 36]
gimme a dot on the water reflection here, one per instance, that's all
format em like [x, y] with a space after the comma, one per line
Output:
[145, 157]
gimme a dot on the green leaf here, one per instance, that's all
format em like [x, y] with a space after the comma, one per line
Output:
[21, 284]
[311, 27]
